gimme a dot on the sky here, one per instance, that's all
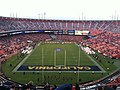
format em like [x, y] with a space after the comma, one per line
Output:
[61, 9]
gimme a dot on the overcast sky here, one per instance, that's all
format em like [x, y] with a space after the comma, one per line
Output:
[61, 9]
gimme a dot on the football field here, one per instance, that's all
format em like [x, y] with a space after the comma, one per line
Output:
[56, 63]
[54, 57]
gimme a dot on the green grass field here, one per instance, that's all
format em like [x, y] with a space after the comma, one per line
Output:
[68, 55]
[46, 54]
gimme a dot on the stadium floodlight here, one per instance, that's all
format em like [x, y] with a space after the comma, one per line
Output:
[38, 16]
[44, 15]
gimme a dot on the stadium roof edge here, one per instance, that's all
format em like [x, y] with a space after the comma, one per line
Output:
[16, 18]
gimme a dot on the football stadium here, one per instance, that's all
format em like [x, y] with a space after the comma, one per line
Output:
[54, 54]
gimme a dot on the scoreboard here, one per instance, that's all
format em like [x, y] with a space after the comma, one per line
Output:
[78, 32]
[81, 32]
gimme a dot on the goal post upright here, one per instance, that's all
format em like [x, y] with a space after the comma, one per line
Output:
[42, 57]
[42, 65]
[78, 64]
[54, 57]
[65, 59]
[79, 58]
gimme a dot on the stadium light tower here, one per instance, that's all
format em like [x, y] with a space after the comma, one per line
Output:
[44, 15]
[41, 16]
[38, 16]
[82, 16]
[114, 16]
[117, 17]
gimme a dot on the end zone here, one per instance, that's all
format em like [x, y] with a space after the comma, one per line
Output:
[38, 68]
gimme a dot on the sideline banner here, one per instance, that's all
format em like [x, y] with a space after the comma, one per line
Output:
[57, 68]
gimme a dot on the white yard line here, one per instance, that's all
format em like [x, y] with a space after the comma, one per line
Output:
[95, 62]
[15, 69]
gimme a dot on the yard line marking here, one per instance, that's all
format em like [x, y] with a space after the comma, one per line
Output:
[95, 62]
[15, 69]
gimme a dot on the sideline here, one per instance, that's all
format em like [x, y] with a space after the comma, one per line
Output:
[16, 68]
[95, 62]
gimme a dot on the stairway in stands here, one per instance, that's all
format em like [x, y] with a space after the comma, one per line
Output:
[53, 37]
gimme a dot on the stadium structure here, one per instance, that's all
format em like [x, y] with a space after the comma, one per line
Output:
[42, 54]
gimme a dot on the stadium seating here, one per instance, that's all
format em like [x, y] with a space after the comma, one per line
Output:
[109, 46]
[69, 38]
[105, 38]
[7, 24]
[115, 82]
[11, 45]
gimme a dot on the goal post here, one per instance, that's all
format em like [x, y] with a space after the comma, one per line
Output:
[42, 57]
[78, 77]
[54, 57]
[42, 64]
[65, 59]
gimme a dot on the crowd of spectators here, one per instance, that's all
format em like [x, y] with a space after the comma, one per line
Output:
[115, 81]
[7, 24]
[13, 44]
[111, 82]
[10, 46]
[107, 43]
[69, 38]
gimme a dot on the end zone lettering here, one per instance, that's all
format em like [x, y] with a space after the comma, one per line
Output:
[57, 68]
